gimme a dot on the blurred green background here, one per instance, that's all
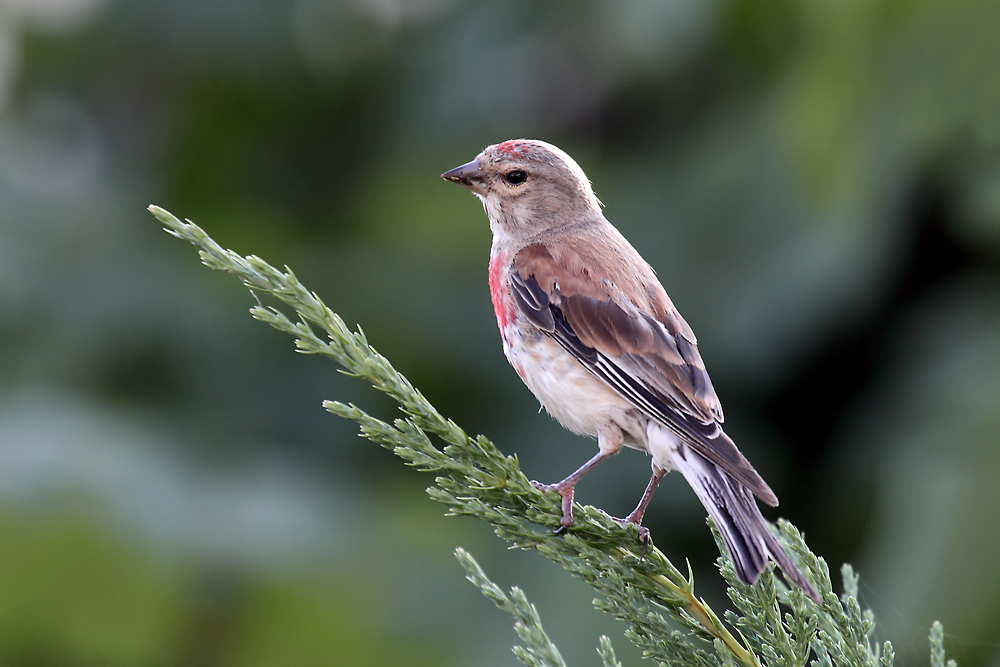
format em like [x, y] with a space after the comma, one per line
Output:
[817, 184]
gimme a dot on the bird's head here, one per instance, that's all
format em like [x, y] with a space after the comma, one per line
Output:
[528, 187]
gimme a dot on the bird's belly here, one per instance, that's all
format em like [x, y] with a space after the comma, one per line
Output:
[566, 389]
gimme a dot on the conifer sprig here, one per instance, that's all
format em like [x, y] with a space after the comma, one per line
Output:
[657, 602]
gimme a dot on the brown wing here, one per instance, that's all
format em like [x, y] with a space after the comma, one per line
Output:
[640, 346]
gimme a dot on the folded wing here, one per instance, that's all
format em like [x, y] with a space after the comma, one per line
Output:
[645, 352]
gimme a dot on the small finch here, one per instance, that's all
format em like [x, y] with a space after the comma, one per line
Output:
[594, 336]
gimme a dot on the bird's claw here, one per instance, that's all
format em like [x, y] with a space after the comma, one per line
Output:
[643, 533]
[644, 536]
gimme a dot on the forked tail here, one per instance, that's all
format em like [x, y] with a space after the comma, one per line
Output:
[735, 513]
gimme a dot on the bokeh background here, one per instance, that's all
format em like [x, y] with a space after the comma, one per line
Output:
[817, 184]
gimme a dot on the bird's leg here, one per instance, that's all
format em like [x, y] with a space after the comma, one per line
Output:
[565, 487]
[640, 509]
[636, 515]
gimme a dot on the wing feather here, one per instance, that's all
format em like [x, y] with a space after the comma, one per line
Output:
[653, 363]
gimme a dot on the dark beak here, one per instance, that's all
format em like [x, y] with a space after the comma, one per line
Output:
[468, 175]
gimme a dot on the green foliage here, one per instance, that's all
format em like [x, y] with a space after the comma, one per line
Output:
[540, 651]
[937, 646]
[607, 653]
[475, 479]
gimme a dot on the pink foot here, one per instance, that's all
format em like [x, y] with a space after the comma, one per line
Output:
[566, 491]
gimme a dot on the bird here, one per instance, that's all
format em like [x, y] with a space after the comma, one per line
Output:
[590, 330]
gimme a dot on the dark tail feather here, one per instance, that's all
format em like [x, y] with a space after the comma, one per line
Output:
[735, 513]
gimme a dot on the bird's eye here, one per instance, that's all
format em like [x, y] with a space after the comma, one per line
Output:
[515, 177]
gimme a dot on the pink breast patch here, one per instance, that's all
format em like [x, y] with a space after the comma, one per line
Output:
[502, 304]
